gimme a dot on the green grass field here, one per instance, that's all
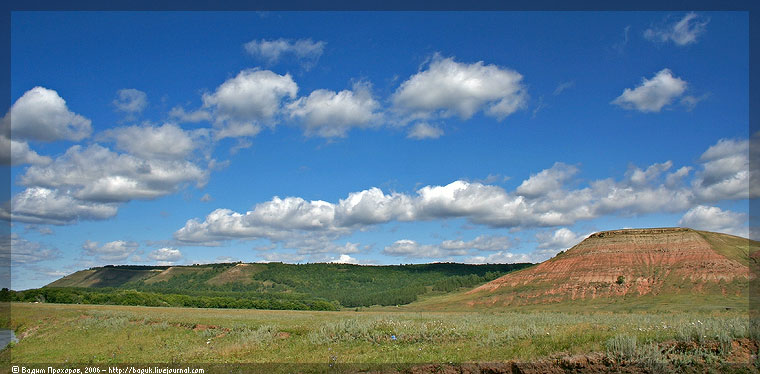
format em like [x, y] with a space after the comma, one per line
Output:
[56, 333]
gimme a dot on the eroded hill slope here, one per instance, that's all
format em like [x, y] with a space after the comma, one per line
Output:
[631, 262]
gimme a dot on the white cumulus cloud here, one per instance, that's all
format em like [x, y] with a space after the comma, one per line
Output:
[547, 180]
[20, 153]
[373, 206]
[44, 205]
[448, 88]
[165, 255]
[242, 104]
[89, 183]
[725, 173]
[41, 114]
[276, 220]
[653, 94]
[97, 174]
[712, 218]
[344, 259]
[636, 176]
[114, 251]
[329, 114]
[549, 198]
[168, 141]
[561, 239]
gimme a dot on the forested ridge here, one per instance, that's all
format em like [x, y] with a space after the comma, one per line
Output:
[318, 286]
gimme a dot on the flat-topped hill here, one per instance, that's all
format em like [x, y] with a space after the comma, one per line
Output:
[267, 285]
[624, 264]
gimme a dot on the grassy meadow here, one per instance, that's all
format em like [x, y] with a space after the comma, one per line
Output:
[57, 333]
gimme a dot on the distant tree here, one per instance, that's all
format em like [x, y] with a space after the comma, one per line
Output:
[5, 294]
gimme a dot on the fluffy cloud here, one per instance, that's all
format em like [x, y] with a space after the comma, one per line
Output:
[674, 179]
[681, 33]
[165, 255]
[114, 251]
[19, 153]
[543, 200]
[272, 50]
[130, 100]
[464, 199]
[275, 220]
[560, 239]
[653, 94]
[241, 104]
[450, 88]
[711, 218]
[40, 114]
[424, 130]
[89, 183]
[639, 177]
[726, 172]
[479, 203]
[373, 206]
[43, 205]
[97, 174]
[345, 259]
[154, 142]
[546, 181]
[329, 114]
[626, 199]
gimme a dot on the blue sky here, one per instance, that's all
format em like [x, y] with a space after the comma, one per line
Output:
[366, 137]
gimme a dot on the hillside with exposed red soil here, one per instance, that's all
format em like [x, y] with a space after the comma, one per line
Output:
[631, 262]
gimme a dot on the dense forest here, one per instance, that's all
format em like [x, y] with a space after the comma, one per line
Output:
[321, 286]
[111, 296]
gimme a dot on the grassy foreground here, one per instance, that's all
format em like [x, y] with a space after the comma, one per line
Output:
[56, 333]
